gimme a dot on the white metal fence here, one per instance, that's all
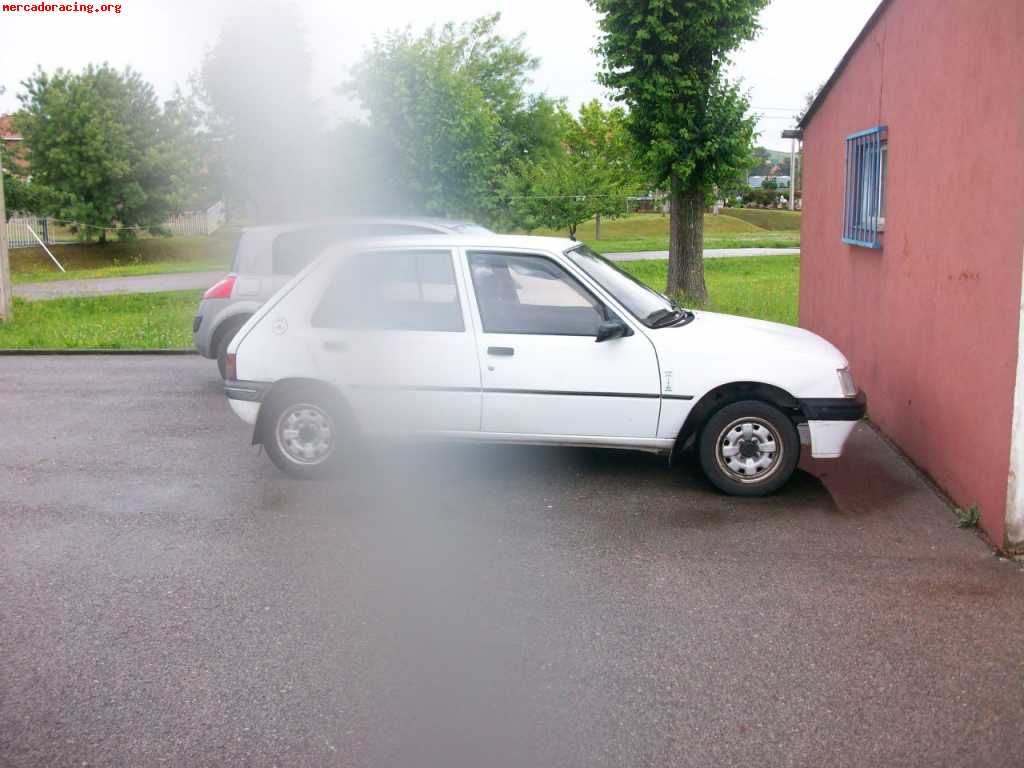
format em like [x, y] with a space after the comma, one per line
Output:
[56, 231]
[198, 222]
[19, 232]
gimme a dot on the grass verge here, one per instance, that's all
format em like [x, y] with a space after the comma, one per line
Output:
[763, 287]
[125, 321]
[766, 218]
[762, 239]
[639, 226]
[145, 256]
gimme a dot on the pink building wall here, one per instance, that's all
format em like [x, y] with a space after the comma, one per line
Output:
[930, 322]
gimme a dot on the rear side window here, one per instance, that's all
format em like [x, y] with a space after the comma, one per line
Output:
[393, 290]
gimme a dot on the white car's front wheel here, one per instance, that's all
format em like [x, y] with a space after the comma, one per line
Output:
[749, 448]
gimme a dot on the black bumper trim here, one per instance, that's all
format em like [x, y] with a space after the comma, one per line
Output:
[197, 322]
[251, 391]
[835, 408]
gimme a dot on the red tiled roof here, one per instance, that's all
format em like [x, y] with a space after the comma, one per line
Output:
[7, 132]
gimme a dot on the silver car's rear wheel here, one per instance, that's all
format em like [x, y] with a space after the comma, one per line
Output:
[305, 434]
[749, 450]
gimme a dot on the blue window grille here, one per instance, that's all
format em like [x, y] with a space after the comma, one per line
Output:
[864, 206]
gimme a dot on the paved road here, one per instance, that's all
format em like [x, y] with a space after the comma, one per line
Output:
[54, 289]
[168, 598]
[710, 253]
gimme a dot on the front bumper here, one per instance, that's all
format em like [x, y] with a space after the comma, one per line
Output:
[830, 421]
[835, 408]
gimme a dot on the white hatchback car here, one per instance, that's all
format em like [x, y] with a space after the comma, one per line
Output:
[528, 340]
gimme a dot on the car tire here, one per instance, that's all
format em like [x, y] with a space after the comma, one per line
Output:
[224, 337]
[749, 448]
[302, 432]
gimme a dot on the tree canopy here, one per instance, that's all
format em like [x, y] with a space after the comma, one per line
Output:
[448, 115]
[591, 173]
[666, 60]
[263, 130]
[102, 140]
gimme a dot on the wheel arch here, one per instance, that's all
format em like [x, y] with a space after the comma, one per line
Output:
[726, 394]
[331, 394]
[235, 320]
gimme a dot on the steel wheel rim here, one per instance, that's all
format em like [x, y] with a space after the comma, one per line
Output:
[749, 450]
[305, 434]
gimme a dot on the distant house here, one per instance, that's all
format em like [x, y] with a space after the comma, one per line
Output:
[11, 139]
[913, 240]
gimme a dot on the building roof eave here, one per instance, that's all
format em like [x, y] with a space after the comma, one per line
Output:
[823, 93]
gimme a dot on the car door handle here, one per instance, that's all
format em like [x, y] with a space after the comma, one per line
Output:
[501, 351]
[335, 346]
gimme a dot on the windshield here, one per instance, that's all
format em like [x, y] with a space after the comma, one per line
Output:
[644, 303]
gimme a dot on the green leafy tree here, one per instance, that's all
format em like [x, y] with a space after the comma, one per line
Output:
[262, 130]
[448, 116]
[100, 139]
[666, 60]
[590, 176]
[21, 195]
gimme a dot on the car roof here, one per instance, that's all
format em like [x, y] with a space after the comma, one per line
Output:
[291, 226]
[523, 242]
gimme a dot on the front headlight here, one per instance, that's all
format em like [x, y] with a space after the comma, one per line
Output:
[846, 382]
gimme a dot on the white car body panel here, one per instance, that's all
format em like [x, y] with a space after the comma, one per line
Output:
[632, 392]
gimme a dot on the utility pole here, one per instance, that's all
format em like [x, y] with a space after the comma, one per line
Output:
[793, 135]
[6, 297]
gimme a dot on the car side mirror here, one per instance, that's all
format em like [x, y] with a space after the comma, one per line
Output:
[612, 329]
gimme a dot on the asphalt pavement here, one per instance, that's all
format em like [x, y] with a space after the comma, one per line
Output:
[105, 286]
[167, 597]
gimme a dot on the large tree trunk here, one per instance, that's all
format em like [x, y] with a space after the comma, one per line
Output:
[686, 246]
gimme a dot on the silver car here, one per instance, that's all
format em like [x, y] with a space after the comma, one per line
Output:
[267, 257]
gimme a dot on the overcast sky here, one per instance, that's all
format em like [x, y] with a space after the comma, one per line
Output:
[165, 40]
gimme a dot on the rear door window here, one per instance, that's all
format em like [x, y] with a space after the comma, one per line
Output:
[393, 290]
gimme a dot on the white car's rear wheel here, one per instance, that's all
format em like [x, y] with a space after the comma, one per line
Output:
[749, 448]
[305, 434]
[302, 433]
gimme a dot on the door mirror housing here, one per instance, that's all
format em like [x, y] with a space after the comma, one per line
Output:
[612, 329]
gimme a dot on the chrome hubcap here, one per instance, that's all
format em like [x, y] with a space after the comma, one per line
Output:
[305, 434]
[749, 450]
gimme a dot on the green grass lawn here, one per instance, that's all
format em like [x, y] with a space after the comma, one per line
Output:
[762, 239]
[765, 287]
[145, 256]
[759, 286]
[733, 228]
[639, 226]
[128, 321]
[766, 218]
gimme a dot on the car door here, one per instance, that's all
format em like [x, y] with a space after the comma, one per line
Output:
[393, 335]
[542, 371]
